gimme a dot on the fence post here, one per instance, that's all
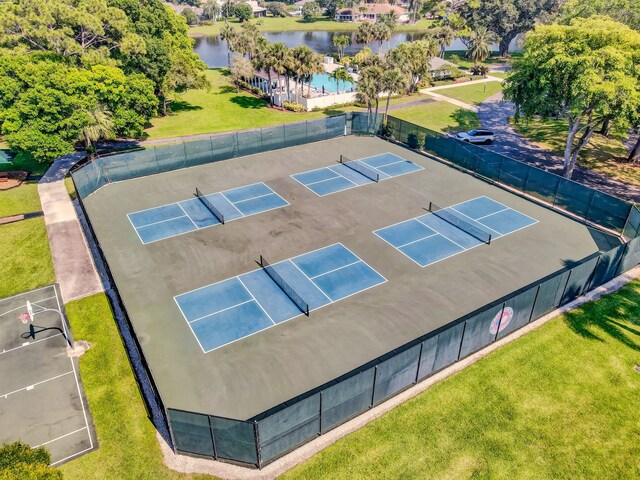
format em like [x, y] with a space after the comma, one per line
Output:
[555, 195]
[464, 329]
[320, 415]
[419, 360]
[373, 390]
[213, 438]
[593, 195]
[533, 307]
[624, 252]
[564, 290]
[526, 179]
[499, 322]
[256, 437]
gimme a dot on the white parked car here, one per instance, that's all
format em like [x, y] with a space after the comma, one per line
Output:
[477, 136]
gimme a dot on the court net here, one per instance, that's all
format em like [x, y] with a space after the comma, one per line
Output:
[284, 286]
[207, 203]
[456, 219]
[360, 168]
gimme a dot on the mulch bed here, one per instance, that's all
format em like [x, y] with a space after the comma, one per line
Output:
[13, 179]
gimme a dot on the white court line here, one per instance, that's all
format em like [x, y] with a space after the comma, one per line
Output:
[162, 221]
[335, 269]
[231, 203]
[28, 344]
[256, 300]
[190, 219]
[24, 307]
[75, 375]
[219, 311]
[322, 181]
[414, 241]
[290, 260]
[71, 456]
[347, 179]
[31, 387]
[445, 236]
[307, 277]
[60, 437]
[24, 294]
[253, 198]
[485, 216]
[473, 220]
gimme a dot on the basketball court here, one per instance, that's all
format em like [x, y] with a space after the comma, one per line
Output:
[41, 397]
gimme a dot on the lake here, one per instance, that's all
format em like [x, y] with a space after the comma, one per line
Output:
[213, 50]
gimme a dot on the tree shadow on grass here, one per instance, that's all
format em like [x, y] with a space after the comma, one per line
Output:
[182, 106]
[465, 120]
[613, 316]
[227, 89]
[248, 102]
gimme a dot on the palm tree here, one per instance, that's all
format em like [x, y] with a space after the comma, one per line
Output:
[313, 66]
[264, 60]
[341, 42]
[369, 89]
[212, 10]
[281, 58]
[444, 35]
[301, 58]
[479, 43]
[389, 19]
[340, 75]
[381, 32]
[229, 35]
[99, 127]
[364, 34]
[393, 81]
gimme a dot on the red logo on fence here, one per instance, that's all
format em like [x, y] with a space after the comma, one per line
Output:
[501, 320]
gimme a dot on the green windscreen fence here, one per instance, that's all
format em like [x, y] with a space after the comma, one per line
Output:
[124, 166]
[270, 435]
[582, 201]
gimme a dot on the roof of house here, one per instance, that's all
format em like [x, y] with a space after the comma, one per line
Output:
[373, 8]
[437, 62]
[254, 5]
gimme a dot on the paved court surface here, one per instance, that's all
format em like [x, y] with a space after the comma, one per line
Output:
[233, 309]
[455, 229]
[247, 368]
[41, 398]
[186, 216]
[355, 173]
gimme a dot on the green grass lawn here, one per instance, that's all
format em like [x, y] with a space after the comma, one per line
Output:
[604, 155]
[219, 110]
[25, 257]
[500, 74]
[558, 403]
[22, 199]
[473, 93]
[439, 116]
[127, 440]
[291, 24]
[25, 162]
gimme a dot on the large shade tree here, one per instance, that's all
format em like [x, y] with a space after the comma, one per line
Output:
[505, 18]
[587, 72]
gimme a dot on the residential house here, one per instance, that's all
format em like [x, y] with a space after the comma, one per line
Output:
[258, 11]
[369, 12]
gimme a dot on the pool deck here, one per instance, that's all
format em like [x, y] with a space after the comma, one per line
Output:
[260, 371]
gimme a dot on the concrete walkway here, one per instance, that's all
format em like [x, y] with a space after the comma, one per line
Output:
[72, 261]
[494, 114]
[472, 108]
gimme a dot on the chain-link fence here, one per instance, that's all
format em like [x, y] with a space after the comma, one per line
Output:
[268, 436]
[579, 200]
[139, 163]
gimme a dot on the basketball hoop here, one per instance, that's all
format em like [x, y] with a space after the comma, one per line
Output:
[24, 317]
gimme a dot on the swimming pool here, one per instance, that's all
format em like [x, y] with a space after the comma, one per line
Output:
[329, 84]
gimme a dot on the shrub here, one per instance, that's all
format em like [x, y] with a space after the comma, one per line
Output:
[293, 106]
[480, 70]
[455, 59]
[416, 140]
[386, 131]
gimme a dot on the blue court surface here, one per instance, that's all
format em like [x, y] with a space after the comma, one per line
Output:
[186, 216]
[432, 237]
[328, 180]
[235, 308]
